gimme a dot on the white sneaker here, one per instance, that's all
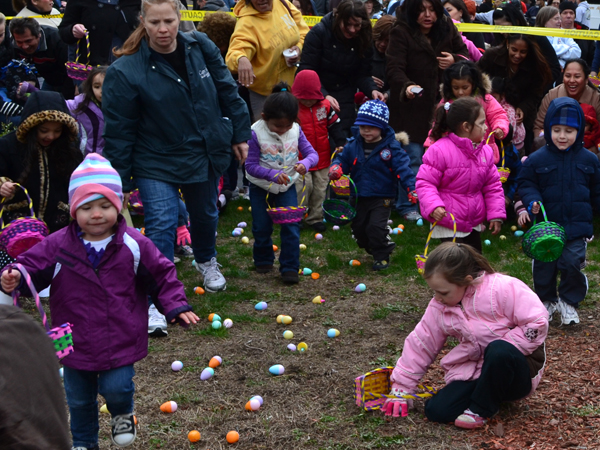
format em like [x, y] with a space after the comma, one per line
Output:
[123, 430]
[413, 215]
[568, 314]
[214, 280]
[157, 323]
[552, 307]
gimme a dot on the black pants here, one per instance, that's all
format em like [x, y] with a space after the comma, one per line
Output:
[473, 239]
[370, 228]
[504, 377]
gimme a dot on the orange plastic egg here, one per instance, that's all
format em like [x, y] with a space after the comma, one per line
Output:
[315, 276]
[194, 436]
[233, 437]
[168, 407]
[400, 226]
[240, 208]
[275, 248]
[198, 290]
[215, 362]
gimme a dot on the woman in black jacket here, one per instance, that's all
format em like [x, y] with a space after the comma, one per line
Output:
[339, 49]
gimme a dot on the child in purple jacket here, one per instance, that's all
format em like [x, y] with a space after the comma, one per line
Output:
[101, 273]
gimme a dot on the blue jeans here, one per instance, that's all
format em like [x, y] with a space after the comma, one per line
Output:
[415, 153]
[82, 388]
[162, 209]
[262, 229]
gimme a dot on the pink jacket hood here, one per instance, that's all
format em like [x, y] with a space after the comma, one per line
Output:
[463, 179]
[495, 307]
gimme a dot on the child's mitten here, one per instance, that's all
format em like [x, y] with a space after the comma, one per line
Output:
[412, 196]
[394, 406]
[183, 236]
[335, 172]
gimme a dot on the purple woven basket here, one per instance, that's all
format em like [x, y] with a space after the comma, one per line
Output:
[287, 214]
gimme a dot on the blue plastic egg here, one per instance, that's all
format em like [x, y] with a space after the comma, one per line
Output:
[420, 222]
[487, 242]
[332, 332]
[519, 233]
[261, 306]
[277, 369]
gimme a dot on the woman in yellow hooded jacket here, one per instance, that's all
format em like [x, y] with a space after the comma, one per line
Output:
[265, 29]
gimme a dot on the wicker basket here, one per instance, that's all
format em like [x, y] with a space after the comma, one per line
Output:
[340, 212]
[342, 186]
[62, 336]
[77, 70]
[23, 233]
[504, 172]
[544, 241]
[287, 214]
[420, 259]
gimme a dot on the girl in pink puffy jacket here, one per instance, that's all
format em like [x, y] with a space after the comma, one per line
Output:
[458, 175]
[501, 326]
[464, 79]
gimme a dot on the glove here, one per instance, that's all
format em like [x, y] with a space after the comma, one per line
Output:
[412, 196]
[183, 236]
[396, 406]
[335, 172]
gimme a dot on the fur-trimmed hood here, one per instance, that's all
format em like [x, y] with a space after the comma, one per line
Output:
[46, 106]
[403, 138]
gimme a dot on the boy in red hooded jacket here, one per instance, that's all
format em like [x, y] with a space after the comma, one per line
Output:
[591, 137]
[319, 123]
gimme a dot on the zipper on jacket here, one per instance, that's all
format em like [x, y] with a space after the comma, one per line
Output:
[463, 310]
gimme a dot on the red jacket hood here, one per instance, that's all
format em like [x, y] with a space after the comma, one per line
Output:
[307, 86]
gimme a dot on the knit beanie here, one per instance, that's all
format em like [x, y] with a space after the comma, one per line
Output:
[95, 178]
[374, 113]
[471, 6]
[307, 86]
[567, 5]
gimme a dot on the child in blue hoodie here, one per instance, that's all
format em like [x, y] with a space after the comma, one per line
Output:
[565, 177]
[375, 161]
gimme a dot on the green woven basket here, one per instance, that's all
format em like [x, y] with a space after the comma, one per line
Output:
[544, 241]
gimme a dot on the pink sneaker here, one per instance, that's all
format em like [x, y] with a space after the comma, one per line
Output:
[469, 420]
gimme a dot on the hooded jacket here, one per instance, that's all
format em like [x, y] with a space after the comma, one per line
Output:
[49, 189]
[262, 38]
[92, 121]
[495, 307]
[567, 182]
[107, 306]
[583, 15]
[591, 138]
[463, 179]
[378, 174]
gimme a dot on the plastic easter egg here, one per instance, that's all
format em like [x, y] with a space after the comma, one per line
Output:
[400, 230]
[242, 225]
[260, 306]
[275, 248]
[207, 373]
[228, 323]
[317, 300]
[306, 271]
[236, 233]
[198, 290]
[390, 221]
[302, 347]
[286, 320]
[502, 237]
[354, 262]
[240, 208]
[245, 240]
[315, 276]
[332, 332]
[104, 409]
[287, 334]
[420, 222]
[291, 347]
[277, 369]
[279, 318]
[249, 208]
[401, 227]
[302, 247]
[215, 362]
[194, 436]
[176, 366]
[259, 398]
[253, 404]
[487, 242]
[61, 372]
[232, 437]
[212, 317]
[360, 288]
[318, 236]
[216, 324]
[513, 228]
[395, 231]
[336, 228]
[168, 407]
[519, 233]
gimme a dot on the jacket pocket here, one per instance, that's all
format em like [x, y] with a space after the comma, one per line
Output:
[584, 174]
[218, 136]
[548, 176]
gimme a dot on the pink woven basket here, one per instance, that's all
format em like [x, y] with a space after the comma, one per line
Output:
[77, 70]
[23, 233]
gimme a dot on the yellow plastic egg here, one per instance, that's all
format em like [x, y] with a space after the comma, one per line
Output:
[286, 320]
[104, 409]
[279, 317]
[302, 247]
[287, 334]
[245, 240]
[302, 347]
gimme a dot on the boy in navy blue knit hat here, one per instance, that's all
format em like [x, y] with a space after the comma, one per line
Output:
[375, 161]
[565, 178]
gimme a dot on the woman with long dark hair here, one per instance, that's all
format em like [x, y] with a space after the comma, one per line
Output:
[423, 43]
[339, 49]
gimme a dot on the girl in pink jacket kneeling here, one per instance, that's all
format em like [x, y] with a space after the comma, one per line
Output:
[458, 175]
[501, 326]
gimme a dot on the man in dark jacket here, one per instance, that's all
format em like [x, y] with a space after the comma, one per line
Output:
[41, 45]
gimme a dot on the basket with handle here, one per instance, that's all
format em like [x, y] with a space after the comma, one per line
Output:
[544, 241]
[420, 259]
[62, 336]
[504, 172]
[287, 214]
[339, 212]
[341, 186]
[23, 233]
[77, 70]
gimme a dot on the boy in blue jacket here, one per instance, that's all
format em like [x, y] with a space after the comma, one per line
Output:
[565, 177]
[375, 162]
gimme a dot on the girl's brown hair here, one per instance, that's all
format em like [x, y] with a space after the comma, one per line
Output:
[381, 29]
[464, 109]
[87, 88]
[455, 262]
[355, 9]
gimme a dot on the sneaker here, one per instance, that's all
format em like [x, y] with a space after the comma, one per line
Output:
[123, 430]
[157, 323]
[568, 314]
[380, 265]
[235, 194]
[290, 277]
[184, 250]
[413, 215]
[469, 420]
[264, 268]
[176, 260]
[552, 307]
[214, 281]
[319, 227]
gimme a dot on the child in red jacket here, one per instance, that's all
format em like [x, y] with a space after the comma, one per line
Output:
[320, 123]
